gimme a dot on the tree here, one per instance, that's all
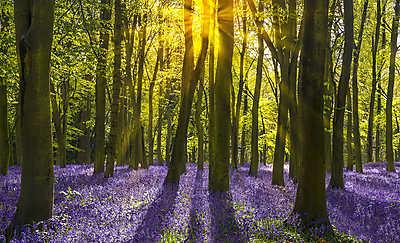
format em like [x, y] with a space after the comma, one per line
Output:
[310, 204]
[389, 101]
[34, 34]
[101, 80]
[356, 119]
[340, 102]
[191, 75]
[374, 80]
[113, 146]
[254, 113]
[220, 176]
[4, 144]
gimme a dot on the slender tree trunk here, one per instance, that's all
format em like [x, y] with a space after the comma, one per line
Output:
[101, 81]
[160, 124]
[349, 133]
[340, 102]
[244, 131]
[199, 125]
[375, 44]
[294, 54]
[84, 139]
[34, 28]
[356, 119]
[4, 143]
[159, 60]
[58, 120]
[389, 101]
[378, 128]
[254, 113]
[191, 76]
[115, 133]
[235, 130]
[310, 203]
[137, 133]
[281, 31]
[211, 94]
[220, 176]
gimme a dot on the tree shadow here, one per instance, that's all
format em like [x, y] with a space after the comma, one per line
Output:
[224, 227]
[156, 217]
[361, 215]
[195, 223]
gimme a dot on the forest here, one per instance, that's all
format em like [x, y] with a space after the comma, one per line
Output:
[199, 121]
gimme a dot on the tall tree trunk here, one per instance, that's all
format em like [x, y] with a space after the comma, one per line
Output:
[138, 155]
[378, 128]
[281, 31]
[191, 76]
[244, 131]
[235, 130]
[349, 133]
[389, 101]
[310, 203]
[84, 138]
[159, 60]
[220, 176]
[374, 81]
[356, 119]
[211, 94]
[199, 125]
[340, 102]
[101, 81]
[294, 49]
[114, 144]
[34, 28]
[254, 113]
[4, 143]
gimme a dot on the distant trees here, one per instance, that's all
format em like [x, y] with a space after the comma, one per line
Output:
[34, 32]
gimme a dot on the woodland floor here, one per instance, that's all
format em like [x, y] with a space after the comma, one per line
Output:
[136, 206]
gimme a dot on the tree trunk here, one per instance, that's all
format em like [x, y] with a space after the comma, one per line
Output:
[4, 143]
[340, 102]
[191, 76]
[375, 42]
[254, 113]
[244, 131]
[310, 203]
[349, 133]
[389, 101]
[199, 125]
[84, 139]
[34, 28]
[294, 144]
[356, 119]
[114, 144]
[220, 176]
[101, 80]
[138, 155]
[211, 94]
[151, 90]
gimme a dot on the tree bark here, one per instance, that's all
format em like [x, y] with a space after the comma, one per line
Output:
[389, 101]
[220, 177]
[310, 203]
[254, 113]
[349, 133]
[4, 143]
[101, 81]
[115, 134]
[356, 119]
[34, 34]
[340, 102]
[375, 43]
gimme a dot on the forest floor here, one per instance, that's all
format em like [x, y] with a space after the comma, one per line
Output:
[136, 206]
